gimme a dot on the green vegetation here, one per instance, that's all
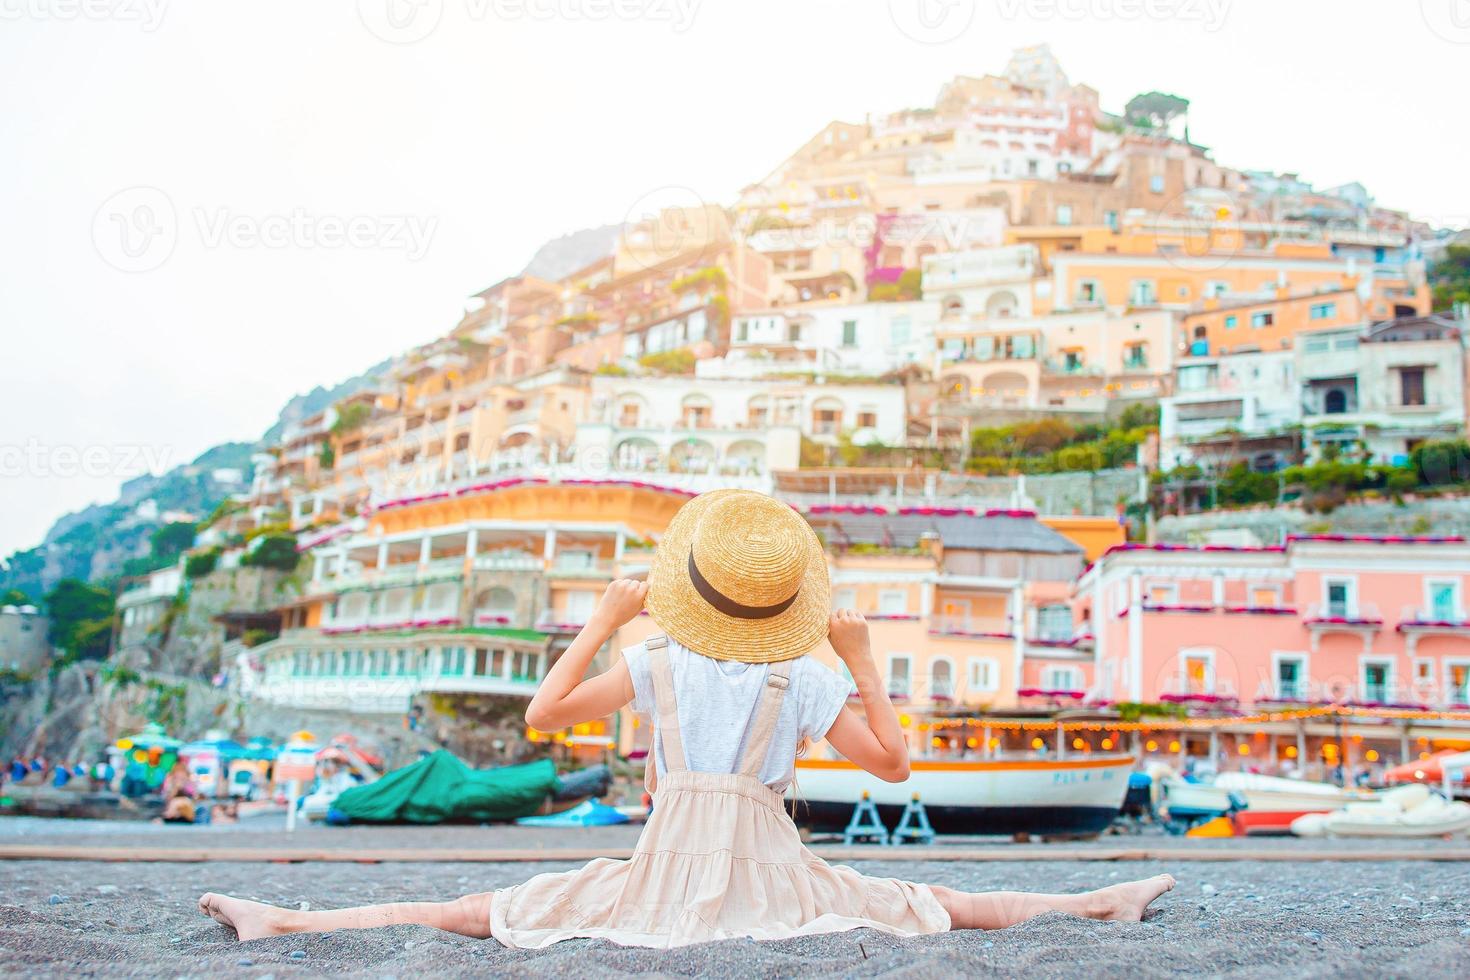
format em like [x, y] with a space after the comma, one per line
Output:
[350, 417]
[1323, 486]
[15, 597]
[1154, 110]
[908, 287]
[679, 361]
[577, 320]
[1450, 277]
[1129, 711]
[201, 563]
[612, 370]
[81, 619]
[710, 276]
[275, 551]
[255, 636]
[1055, 446]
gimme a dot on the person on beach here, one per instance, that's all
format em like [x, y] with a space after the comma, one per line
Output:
[739, 584]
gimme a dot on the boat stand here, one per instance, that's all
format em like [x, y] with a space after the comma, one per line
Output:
[865, 824]
[914, 824]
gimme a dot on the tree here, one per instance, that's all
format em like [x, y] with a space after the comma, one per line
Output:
[277, 551]
[1442, 462]
[172, 540]
[1450, 277]
[1155, 110]
[81, 618]
[201, 563]
[14, 597]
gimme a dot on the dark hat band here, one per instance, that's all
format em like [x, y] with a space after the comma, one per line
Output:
[729, 606]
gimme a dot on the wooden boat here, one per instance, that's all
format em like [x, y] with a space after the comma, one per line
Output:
[1047, 797]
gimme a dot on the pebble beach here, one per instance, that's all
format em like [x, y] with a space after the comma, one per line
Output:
[1273, 918]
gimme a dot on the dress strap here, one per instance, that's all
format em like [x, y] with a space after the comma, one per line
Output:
[666, 725]
[758, 743]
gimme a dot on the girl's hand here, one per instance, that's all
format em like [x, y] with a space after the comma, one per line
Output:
[622, 601]
[848, 632]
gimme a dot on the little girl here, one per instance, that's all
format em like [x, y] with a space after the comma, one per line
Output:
[739, 583]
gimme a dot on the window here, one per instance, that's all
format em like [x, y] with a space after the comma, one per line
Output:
[1334, 402]
[1064, 214]
[1457, 680]
[984, 675]
[1061, 679]
[1156, 184]
[1411, 386]
[899, 330]
[1110, 218]
[579, 606]
[941, 679]
[1054, 622]
[1135, 355]
[1197, 672]
[844, 598]
[893, 602]
[1323, 311]
[1262, 320]
[1088, 291]
[1143, 293]
[1216, 287]
[849, 333]
[742, 330]
[1231, 321]
[1444, 601]
[867, 419]
[1377, 680]
[899, 665]
[1291, 678]
[1340, 599]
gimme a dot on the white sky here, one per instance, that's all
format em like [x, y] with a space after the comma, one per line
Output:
[499, 130]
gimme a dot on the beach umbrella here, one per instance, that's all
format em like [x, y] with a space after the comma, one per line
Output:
[1420, 770]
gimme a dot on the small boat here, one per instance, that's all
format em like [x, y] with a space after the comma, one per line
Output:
[1409, 811]
[1048, 797]
[1261, 804]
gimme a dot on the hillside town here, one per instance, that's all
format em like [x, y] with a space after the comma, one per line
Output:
[1073, 406]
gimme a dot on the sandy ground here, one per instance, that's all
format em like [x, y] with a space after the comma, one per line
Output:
[1277, 920]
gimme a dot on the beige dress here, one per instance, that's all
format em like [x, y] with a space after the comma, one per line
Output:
[719, 858]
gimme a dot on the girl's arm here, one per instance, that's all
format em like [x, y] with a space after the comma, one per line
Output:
[564, 698]
[873, 740]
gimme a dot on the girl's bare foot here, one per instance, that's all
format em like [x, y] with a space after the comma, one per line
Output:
[1127, 902]
[250, 920]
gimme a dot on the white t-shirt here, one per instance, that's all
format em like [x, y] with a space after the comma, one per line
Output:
[717, 701]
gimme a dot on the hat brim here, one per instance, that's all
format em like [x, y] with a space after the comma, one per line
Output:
[685, 616]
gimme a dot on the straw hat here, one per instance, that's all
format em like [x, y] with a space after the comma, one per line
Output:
[739, 576]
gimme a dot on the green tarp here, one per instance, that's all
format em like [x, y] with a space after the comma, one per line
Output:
[441, 788]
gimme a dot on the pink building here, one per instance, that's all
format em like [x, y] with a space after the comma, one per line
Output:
[1364, 621]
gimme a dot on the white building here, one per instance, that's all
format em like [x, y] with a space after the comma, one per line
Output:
[832, 338]
[1232, 407]
[729, 427]
[23, 643]
[993, 283]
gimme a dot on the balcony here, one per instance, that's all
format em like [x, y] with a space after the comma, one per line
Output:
[1417, 621]
[1360, 619]
[508, 563]
[970, 628]
[566, 566]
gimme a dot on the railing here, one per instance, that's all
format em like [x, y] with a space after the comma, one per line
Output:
[1421, 617]
[508, 563]
[1362, 614]
[981, 627]
[561, 567]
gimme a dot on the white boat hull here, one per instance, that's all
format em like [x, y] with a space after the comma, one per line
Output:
[1002, 796]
